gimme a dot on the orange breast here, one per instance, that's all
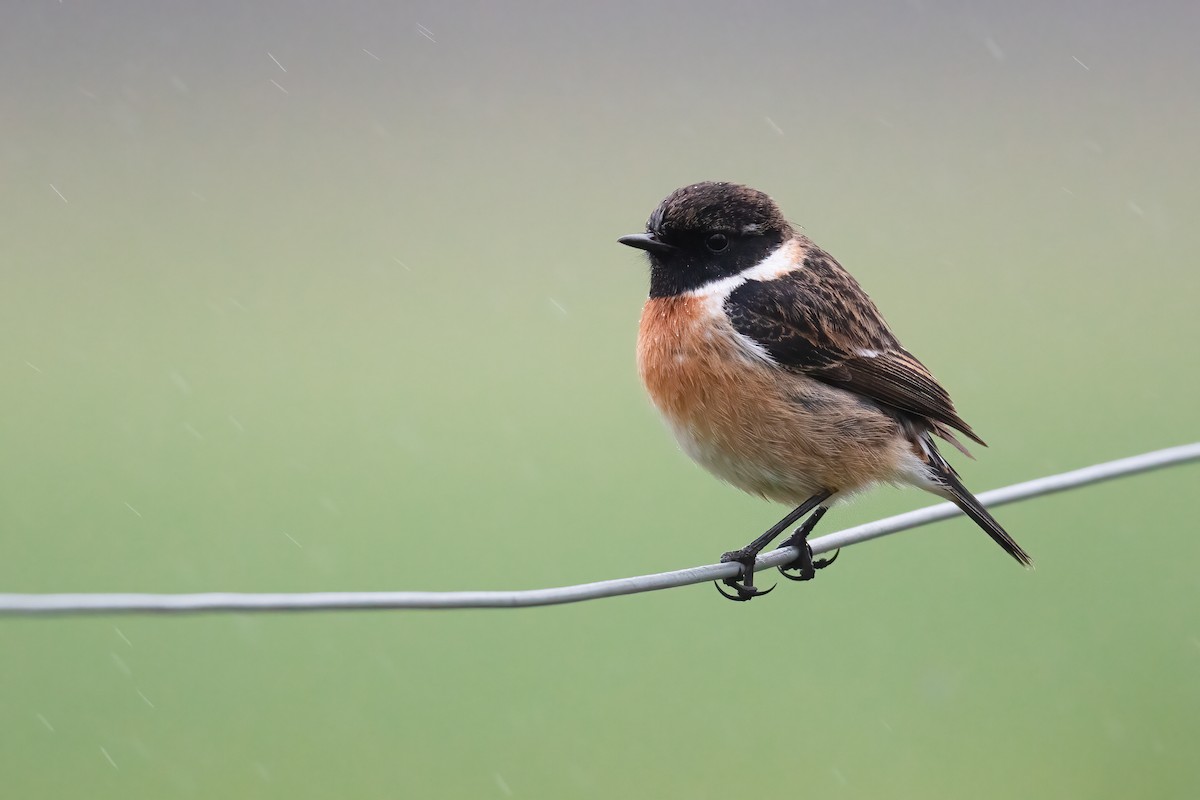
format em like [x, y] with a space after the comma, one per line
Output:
[768, 431]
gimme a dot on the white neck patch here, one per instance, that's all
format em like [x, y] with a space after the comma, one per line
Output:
[779, 262]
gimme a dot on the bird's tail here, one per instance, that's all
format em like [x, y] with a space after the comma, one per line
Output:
[950, 487]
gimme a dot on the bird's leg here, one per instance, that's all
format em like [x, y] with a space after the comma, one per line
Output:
[804, 563]
[745, 588]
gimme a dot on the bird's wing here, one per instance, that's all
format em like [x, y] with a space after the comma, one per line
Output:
[819, 322]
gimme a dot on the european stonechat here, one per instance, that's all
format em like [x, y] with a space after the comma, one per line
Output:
[778, 374]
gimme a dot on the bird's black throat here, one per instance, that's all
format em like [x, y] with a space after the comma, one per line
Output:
[692, 265]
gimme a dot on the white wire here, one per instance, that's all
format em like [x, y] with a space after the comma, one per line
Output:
[29, 604]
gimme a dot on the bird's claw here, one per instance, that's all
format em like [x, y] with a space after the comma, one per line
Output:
[744, 589]
[743, 592]
[822, 563]
[804, 563]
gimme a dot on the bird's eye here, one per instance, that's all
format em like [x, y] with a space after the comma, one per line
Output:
[717, 242]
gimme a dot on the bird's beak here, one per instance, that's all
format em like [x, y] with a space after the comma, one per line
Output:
[647, 242]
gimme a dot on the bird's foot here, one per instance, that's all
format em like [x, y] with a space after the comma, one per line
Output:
[744, 588]
[804, 564]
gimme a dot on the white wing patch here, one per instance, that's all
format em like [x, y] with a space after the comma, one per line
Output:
[753, 348]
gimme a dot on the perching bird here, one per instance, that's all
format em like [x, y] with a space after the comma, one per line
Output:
[778, 374]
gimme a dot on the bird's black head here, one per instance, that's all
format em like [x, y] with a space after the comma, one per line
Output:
[708, 231]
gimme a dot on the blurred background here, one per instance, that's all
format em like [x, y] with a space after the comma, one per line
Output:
[303, 296]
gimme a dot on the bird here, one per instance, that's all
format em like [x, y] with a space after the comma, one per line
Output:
[777, 373]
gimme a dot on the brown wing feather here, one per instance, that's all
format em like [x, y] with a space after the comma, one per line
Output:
[818, 320]
[896, 378]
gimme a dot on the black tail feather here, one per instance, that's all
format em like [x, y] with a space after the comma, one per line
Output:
[955, 492]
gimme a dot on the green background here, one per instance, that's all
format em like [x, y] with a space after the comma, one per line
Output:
[362, 324]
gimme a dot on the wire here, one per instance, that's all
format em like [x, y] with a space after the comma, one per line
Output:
[30, 604]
